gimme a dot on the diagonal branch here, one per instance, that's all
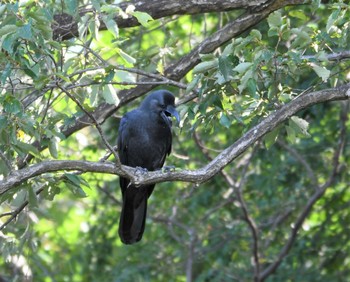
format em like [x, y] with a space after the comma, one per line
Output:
[196, 176]
[65, 26]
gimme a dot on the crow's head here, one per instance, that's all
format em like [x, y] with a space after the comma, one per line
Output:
[161, 102]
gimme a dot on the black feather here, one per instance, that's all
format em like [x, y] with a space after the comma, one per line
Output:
[144, 140]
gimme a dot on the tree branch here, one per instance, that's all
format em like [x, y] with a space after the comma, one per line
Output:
[65, 27]
[179, 69]
[314, 198]
[196, 176]
[258, 10]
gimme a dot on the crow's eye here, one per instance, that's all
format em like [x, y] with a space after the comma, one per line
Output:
[162, 106]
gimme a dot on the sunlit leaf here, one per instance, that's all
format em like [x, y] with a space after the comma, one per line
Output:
[299, 125]
[111, 26]
[127, 58]
[32, 198]
[53, 148]
[275, 19]
[225, 121]
[8, 29]
[271, 137]
[242, 67]
[322, 72]
[110, 95]
[205, 66]
[142, 17]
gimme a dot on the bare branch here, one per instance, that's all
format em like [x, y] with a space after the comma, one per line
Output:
[247, 217]
[315, 197]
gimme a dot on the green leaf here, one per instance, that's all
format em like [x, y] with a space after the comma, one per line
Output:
[275, 19]
[129, 60]
[242, 67]
[142, 17]
[74, 183]
[256, 34]
[271, 137]
[25, 31]
[95, 90]
[302, 38]
[299, 14]
[322, 72]
[111, 26]
[291, 134]
[227, 51]
[26, 149]
[12, 105]
[299, 125]
[244, 80]
[2, 9]
[51, 191]
[8, 29]
[193, 83]
[30, 73]
[3, 122]
[205, 66]
[225, 121]
[72, 6]
[53, 145]
[19, 198]
[225, 68]
[332, 19]
[73, 178]
[251, 86]
[110, 95]
[124, 76]
[32, 198]
[6, 73]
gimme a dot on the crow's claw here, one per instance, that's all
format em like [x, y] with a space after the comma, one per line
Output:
[168, 168]
[140, 170]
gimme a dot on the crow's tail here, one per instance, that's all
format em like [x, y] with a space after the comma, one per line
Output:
[133, 215]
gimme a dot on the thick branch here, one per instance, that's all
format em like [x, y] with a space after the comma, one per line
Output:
[196, 176]
[65, 27]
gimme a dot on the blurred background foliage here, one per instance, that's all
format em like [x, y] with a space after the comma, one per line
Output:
[68, 229]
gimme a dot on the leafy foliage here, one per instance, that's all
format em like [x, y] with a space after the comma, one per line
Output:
[65, 226]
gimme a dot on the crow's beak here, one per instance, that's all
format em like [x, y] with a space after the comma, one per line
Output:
[168, 113]
[170, 110]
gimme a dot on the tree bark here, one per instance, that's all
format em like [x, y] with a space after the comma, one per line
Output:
[196, 176]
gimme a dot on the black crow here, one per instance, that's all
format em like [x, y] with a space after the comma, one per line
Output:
[144, 141]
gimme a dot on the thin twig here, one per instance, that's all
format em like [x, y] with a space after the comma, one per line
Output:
[17, 211]
[97, 125]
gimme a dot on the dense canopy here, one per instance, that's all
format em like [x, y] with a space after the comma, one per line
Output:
[261, 155]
